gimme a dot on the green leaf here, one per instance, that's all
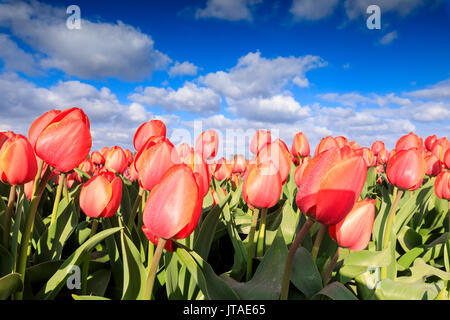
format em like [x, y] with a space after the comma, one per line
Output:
[174, 291]
[336, 291]
[76, 297]
[305, 275]
[398, 290]
[266, 282]
[420, 271]
[366, 258]
[212, 286]
[97, 283]
[51, 289]
[6, 262]
[10, 284]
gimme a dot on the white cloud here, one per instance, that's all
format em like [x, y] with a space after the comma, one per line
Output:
[232, 10]
[356, 8]
[255, 76]
[185, 68]
[97, 50]
[312, 10]
[190, 97]
[15, 59]
[351, 99]
[440, 90]
[389, 38]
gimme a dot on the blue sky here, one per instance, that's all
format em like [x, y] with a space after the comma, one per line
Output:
[241, 65]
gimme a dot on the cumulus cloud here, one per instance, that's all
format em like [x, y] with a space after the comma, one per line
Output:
[181, 69]
[97, 50]
[189, 97]
[15, 59]
[388, 38]
[312, 10]
[440, 90]
[232, 10]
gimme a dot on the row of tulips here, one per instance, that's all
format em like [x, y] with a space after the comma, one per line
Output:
[306, 215]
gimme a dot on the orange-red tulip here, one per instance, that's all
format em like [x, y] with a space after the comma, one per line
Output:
[277, 153]
[330, 185]
[223, 169]
[129, 155]
[116, 160]
[153, 128]
[207, 144]
[442, 185]
[239, 164]
[300, 146]
[440, 147]
[153, 160]
[174, 205]
[446, 161]
[406, 169]
[326, 144]
[104, 152]
[429, 141]
[377, 146]
[383, 156]
[262, 185]
[63, 142]
[433, 165]
[97, 158]
[101, 195]
[17, 160]
[408, 141]
[341, 141]
[185, 152]
[259, 140]
[355, 229]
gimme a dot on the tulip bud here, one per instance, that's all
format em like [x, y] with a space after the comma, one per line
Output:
[442, 185]
[326, 144]
[101, 195]
[259, 140]
[429, 141]
[411, 140]
[153, 128]
[355, 230]
[330, 186]
[174, 205]
[64, 141]
[440, 147]
[433, 165]
[223, 169]
[239, 164]
[207, 144]
[277, 153]
[406, 169]
[262, 186]
[116, 160]
[300, 146]
[377, 146]
[383, 156]
[17, 160]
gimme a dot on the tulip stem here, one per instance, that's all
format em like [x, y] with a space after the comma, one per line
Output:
[330, 268]
[318, 241]
[9, 209]
[290, 258]
[262, 233]
[134, 210]
[85, 268]
[62, 178]
[29, 222]
[390, 221]
[154, 268]
[251, 243]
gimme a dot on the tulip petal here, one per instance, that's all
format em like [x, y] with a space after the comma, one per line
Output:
[95, 196]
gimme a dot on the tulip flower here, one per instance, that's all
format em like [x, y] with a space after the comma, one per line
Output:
[433, 165]
[185, 152]
[97, 159]
[277, 153]
[223, 169]
[17, 160]
[447, 158]
[355, 230]
[101, 195]
[207, 144]
[116, 160]
[298, 174]
[326, 144]
[155, 240]
[442, 185]
[341, 141]
[330, 185]
[129, 155]
[367, 155]
[383, 156]
[153, 160]
[300, 146]
[440, 147]
[411, 140]
[259, 140]
[377, 146]
[104, 152]
[429, 141]
[406, 169]
[262, 186]
[239, 164]
[63, 141]
[153, 128]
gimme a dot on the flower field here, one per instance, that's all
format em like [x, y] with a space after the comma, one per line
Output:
[165, 222]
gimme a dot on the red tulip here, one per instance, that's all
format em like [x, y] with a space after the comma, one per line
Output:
[154, 239]
[355, 230]
[341, 141]
[442, 185]
[64, 141]
[239, 164]
[330, 186]
[153, 128]
[277, 153]
[429, 141]
[153, 160]
[300, 146]
[259, 140]
[5, 136]
[440, 147]
[377, 146]
[104, 151]
[129, 155]
[174, 205]
[326, 144]
[298, 174]
[97, 158]
[262, 186]
[383, 156]
[101, 195]
[116, 160]
[447, 158]
[411, 140]
[367, 155]
[86, 166]
[433, 165]
[17, 160]
[223, 169]
[207, 144]
[185, 152]
[406, 169]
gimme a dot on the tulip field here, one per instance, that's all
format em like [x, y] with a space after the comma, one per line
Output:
[166, 222]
